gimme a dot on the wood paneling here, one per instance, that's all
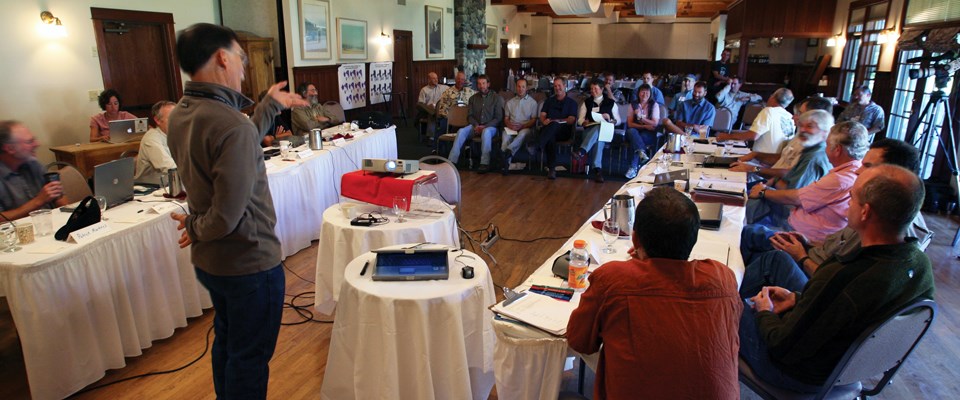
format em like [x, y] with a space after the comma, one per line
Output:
[792, 19]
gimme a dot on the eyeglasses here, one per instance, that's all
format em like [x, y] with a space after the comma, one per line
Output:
[243, 56]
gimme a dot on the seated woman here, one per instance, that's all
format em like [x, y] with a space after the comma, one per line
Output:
[641, 127]
[109, 101]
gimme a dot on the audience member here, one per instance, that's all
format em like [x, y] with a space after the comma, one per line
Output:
[719, 71]
[231, 225]
[519, 116]
[794, 336]
[153, 159]
[673, 319]
[641, 130]
[557, 116]
[280, 130]
[773, 126]
[485, 115]
[310, 117]
[794, 250]
[595, 103]
[819, 208]
[686, 92]
[455, 96]
[861, 109]
[22, 187]
[428, 99]
[614, 94]
[731, 98]
[109, 101]
[655, 93]
[694, 113]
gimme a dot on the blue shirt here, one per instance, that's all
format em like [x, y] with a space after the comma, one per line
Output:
[812, 165]
[701, 113]
[675, 102]
[559, 109]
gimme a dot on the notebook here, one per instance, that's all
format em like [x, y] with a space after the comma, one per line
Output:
[125, 130]
[543, 312]
[411, 265]
[114, 180]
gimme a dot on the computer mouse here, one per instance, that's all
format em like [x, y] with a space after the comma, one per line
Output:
[467, 272]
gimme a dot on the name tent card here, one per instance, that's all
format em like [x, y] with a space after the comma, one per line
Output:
[86, 235]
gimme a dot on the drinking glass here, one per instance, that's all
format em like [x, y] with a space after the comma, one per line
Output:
[611, 231]
[400, 207]
[8, 237]
[102, 203]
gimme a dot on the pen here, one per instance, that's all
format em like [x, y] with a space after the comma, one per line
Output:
[365, 265]
[138, 212]
[555, 288]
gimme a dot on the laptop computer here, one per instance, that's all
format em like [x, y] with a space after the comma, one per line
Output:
[114, 180]
[711, 214]
[125, 130]
[667, 178]
[719, 162]
[411, 265]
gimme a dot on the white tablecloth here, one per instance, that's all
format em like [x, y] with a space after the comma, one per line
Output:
[302, 189]
[529, 362]
[83, 309]
[341, 242]
[412, 340]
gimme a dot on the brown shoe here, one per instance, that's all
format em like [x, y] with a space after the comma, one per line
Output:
[552, 174]
[598, 176]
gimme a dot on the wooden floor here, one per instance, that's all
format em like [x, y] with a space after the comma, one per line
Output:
[523, 207]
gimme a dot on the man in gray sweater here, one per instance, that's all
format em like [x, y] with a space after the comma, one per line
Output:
[230, 227]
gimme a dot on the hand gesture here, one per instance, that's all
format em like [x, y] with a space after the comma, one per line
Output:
[755, 191]
[775, 299]
[738, 166]
[184, 240]
[287, 99]
[789, 244]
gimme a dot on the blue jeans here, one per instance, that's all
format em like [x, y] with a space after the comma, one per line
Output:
[591, 136]
[246, 325]
[486, 143]
[754, 351]
[772, 268]
[639, 140]
[755, 239]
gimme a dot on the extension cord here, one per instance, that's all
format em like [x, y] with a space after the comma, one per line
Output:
[492, 238]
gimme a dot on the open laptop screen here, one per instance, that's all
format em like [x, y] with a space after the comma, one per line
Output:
[402, 265]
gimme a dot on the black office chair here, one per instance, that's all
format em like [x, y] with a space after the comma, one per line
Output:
[881, 349]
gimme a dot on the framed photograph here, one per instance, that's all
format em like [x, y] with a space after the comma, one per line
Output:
[352, 35]
[493, 45]
[315, 29]
[434, 31]
[813, 42]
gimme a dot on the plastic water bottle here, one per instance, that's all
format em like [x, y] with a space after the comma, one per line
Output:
[579, 262]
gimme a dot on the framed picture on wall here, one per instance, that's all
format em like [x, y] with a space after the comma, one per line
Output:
[434, 28]
[315, 29]
[352, 36]
[493, 45]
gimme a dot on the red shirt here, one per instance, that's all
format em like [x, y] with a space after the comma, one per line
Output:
[668, 329]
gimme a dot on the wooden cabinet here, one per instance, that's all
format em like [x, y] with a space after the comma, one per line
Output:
[258, 76]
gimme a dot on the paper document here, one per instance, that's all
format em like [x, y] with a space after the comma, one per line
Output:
[709, 249]
[721, 186]
[704, 148]
[541, 311]
[606, 128]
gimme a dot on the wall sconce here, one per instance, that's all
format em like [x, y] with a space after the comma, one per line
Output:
[887, 36]
[776, 41]
[51, 26]
[384, 39]
[832, 42]
[513, 46]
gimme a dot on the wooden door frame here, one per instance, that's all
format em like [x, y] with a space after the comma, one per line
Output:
[98, 15]
[410, 97]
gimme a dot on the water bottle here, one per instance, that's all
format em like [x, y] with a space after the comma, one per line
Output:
[579, 262]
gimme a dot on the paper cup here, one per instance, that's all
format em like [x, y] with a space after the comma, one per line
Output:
[680, 185]
[25, 232]
[349, 210]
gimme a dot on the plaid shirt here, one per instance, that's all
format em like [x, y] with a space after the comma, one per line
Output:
[451, 97]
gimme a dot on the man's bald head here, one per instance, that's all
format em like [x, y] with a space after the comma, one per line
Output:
[894, 194]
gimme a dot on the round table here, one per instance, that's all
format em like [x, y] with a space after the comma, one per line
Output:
[341, 242]
[412, 339]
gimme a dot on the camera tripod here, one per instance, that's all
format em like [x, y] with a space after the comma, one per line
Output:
[938, 101]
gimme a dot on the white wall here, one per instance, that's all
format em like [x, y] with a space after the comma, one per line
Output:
[46, 80]
[682, 40]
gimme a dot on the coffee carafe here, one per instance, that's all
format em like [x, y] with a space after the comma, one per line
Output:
[174, 185]
[622, 210]
[316, 139]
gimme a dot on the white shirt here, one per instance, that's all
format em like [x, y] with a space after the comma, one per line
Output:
[774, 125]
[790, 154]
[154, 159]
[431, 95]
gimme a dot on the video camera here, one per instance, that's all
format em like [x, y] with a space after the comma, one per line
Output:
[941, 68]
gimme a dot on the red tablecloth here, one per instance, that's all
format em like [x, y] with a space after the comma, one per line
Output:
[379, 188]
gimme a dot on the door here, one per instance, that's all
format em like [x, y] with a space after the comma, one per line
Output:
[402, 66]
[137, 57]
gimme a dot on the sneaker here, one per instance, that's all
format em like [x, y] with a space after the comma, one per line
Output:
[483, 169]
[552, 174]
[643, 156]
[598, 176]
[631, 173]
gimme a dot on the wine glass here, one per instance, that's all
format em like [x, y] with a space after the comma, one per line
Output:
[399, 207]
[8, 236]
[102, 203]
[611, 231]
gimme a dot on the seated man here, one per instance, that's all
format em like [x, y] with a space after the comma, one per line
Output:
[609, 79]
[279, 130]
[486, 113]
[154, 158]
[731, 98]
[686, 92]
[776, 165]
[22, 187]
[667, 326]
[557, 116]
[811, 165]
[428, 99]
[455, 96]
[655, 93]
[519, 116]
[309, 117]
[794, 249]
[861, 109]
[694, 113]
[793, 337]
[595, 103]
[819, 208]
[772, 127]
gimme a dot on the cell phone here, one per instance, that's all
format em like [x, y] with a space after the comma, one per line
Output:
[750, 303]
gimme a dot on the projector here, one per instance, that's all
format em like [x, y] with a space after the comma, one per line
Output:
[402, 167]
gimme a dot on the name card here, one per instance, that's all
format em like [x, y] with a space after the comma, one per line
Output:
[302, 154]
[86, 235]
[159, 208]
[270, 165]
[339, 142]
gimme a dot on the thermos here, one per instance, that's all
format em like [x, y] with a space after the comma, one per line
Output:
[623, 209]
[674, 143]
[174, 185]
[316, 139]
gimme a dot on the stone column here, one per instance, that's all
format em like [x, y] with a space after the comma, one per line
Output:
[469, 24]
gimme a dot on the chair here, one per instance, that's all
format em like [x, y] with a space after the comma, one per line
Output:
[75, 186]
[456, 119]
[136, 158]
[750, 114]
[336, 109]
[507, 95]
[448, 180]
[881, 349]
[723, 120]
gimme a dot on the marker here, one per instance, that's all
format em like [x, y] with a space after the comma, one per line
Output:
[364, 270]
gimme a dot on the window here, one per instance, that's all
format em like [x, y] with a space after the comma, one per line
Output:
[862, 52]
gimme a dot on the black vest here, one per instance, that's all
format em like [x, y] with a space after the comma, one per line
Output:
[606, 107]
